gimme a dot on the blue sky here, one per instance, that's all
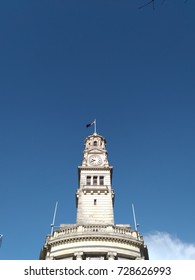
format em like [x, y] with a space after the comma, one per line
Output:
[64, 63]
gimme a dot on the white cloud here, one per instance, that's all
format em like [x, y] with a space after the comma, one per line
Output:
[163, 246]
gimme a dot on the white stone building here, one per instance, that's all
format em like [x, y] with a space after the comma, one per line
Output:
[95, 235]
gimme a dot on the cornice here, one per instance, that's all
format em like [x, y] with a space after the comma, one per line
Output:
[100, 238]
[102, 168]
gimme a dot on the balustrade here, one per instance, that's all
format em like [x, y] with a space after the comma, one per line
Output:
[99, 229]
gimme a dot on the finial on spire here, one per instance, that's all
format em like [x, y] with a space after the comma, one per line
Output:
[92, 123]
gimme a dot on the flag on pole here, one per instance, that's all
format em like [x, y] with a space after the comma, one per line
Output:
[90, 124]
[1, 238]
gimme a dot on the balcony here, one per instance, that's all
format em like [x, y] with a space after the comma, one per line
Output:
[68, 232]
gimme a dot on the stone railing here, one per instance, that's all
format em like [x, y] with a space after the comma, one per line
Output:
[94, 228]
[72, 230]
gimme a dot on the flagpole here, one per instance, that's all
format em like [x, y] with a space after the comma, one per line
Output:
[134, 218]
[1, 238]
[95, 126]
[54, 217]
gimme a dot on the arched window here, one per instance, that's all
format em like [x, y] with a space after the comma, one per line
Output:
[95, 143]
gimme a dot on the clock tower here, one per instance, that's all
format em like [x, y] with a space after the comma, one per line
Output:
[95, 196]
[94, 235]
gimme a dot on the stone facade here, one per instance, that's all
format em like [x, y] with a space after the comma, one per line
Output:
[94, 236]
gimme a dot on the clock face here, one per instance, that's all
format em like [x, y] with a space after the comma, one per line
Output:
[95, 160]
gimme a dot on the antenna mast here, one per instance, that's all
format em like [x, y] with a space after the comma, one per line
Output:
[54, 217]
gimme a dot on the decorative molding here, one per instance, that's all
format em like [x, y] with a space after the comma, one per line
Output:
[97, 238]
